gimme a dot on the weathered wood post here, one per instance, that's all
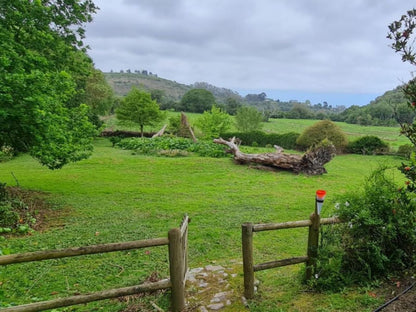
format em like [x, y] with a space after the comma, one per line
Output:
[313, 237]
[247, 242]
[176, 268]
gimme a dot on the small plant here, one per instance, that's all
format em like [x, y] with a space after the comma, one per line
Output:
[14, 214]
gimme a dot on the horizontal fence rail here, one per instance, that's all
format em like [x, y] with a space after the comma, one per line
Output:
[96, 296]
[247, 245]
[177, 242]
[291, 224]
[80, 251]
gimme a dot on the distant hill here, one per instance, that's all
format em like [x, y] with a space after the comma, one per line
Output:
[384, 110]
[122, 83]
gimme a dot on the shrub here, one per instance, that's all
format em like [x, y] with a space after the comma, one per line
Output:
[6, 153]
[285, 140]
[406, 150]
[171, 146]
[368, 145]
[319, 131]
[377, 237]
[248, 119]
[213, 122]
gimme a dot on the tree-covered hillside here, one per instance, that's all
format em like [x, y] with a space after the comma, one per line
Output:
[390, 109]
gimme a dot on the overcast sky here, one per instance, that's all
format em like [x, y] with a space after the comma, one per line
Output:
[321, 50]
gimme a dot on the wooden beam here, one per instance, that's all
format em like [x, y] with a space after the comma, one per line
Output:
[78, 251]
[279, 263]
[101, 295]
[291, 224]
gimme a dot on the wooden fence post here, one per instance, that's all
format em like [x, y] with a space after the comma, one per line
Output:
[313, 240]
[247, 242]
[176, 268]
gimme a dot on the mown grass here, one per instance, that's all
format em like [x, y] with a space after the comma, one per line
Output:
[116, 196]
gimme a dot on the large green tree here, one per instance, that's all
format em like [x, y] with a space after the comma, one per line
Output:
[138, 107]
[43, 71]
[197, 101]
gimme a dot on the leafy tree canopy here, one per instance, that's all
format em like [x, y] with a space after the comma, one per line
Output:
[197, 101]
[99, 95]
[213, 122]
[248, 119]
[43, 73]
[138, 107]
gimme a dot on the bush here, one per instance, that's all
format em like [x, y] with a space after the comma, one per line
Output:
[368, 145]
[285, 140]
[406, 150]
[171, 146]
[377, 238]
[6, 153]
[319, 131]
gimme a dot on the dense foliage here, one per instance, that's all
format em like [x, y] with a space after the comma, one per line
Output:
[197, 101]
[248, 119]
[368, 145]
[377, 237]
[213, 122]
[259, 138]
[44, 70]
[138, 107]
[172, 146]
[319, 131]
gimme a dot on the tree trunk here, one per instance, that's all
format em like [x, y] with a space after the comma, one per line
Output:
[311, 163]
[186, 129]
[160, 133]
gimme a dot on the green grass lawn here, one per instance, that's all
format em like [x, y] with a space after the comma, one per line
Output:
[116, 196]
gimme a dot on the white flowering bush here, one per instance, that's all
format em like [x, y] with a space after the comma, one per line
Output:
[6, 153]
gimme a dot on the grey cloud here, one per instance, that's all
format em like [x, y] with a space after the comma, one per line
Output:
[320, 45]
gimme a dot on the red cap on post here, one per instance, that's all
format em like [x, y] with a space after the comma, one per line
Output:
[320, 196]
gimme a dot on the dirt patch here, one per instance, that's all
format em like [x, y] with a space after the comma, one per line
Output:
[34, 205]
[399, 294]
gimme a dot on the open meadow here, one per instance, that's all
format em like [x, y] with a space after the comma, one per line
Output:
[116, 196]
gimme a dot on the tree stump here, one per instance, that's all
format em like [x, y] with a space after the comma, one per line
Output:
[311, 163]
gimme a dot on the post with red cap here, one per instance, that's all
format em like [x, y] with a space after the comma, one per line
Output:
[313, 237]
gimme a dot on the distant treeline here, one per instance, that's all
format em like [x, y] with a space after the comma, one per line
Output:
[390, 109]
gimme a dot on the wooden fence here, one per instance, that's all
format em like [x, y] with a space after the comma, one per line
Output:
[177, 242]
[249, 267]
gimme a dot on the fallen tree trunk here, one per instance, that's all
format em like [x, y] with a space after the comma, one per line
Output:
[311, 163]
